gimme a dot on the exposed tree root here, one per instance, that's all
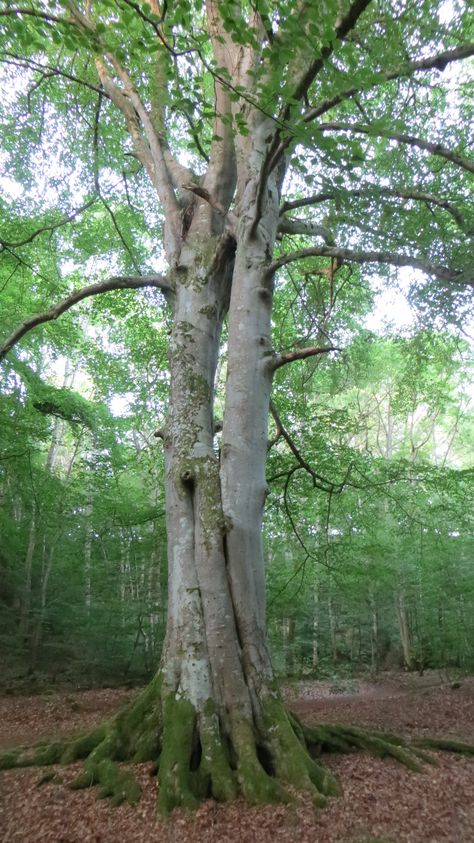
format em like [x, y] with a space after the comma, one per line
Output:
[263, 760]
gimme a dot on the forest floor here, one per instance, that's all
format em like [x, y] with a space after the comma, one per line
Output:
[382, 802]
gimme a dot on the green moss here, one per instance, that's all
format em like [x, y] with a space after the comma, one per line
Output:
[326, 739]
[175, 782]
[86, 778]
[110, 748]
[206, 471]
[65, 404]
[209, 310]
[197, 759]
[147, 745]
[445, 745]
[292, 760]
[185, 329]
[50, 754]
[8, 760]
[380, 748]
[49, 778]
[215, 763]
[138, 726]
[255, 784]
[119, 785]
[83, 745]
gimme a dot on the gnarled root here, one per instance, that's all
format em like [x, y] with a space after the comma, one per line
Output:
[263, 758]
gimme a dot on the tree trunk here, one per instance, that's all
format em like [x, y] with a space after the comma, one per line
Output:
[404, 627]
[26, 596]
[88, 554]
[315, 647]
[212, 715]
[374, 633]
[333, 631]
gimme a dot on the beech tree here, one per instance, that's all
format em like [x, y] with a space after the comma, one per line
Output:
[333, 135]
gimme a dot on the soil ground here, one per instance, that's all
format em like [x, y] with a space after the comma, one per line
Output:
[382, 802]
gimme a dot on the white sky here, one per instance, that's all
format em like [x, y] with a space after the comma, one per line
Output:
[392, 308]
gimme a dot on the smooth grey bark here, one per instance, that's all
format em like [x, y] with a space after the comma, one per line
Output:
[249, 377]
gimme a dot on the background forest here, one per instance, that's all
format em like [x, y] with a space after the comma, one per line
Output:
[369, 516]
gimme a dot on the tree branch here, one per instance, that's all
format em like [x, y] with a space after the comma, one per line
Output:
[152, 151]
[200, 191]
[13, 12]
[277, 148]
[293, 226]
[319, 482]
[300, 354]
[391, 258]
[115, 283]
[410, 140]
[4, 244]
[343, 27]
[372, 191]
[437, 62]
[162, 179]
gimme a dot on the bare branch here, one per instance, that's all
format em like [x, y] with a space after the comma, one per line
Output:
[343, 27]
[194, 134]
[95, 167]
[276, 438]
[115, 283]
[300, 354]
[162, 180]
[314, 199]
[391, 258]
[221, 174]
[410, 140]
[150, 149]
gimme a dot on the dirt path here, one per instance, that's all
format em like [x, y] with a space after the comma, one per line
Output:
[382, 801]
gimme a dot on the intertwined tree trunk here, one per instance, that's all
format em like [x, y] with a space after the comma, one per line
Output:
[216, 672]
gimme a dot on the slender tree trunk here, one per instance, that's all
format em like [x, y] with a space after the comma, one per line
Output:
[315, 648]
[290, 629]
[88, 555]
[374, 633]
[37, 634]
[26, 597]
[333, 631]
[404, 627]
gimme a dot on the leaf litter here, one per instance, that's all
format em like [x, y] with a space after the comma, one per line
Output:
[382, 801]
